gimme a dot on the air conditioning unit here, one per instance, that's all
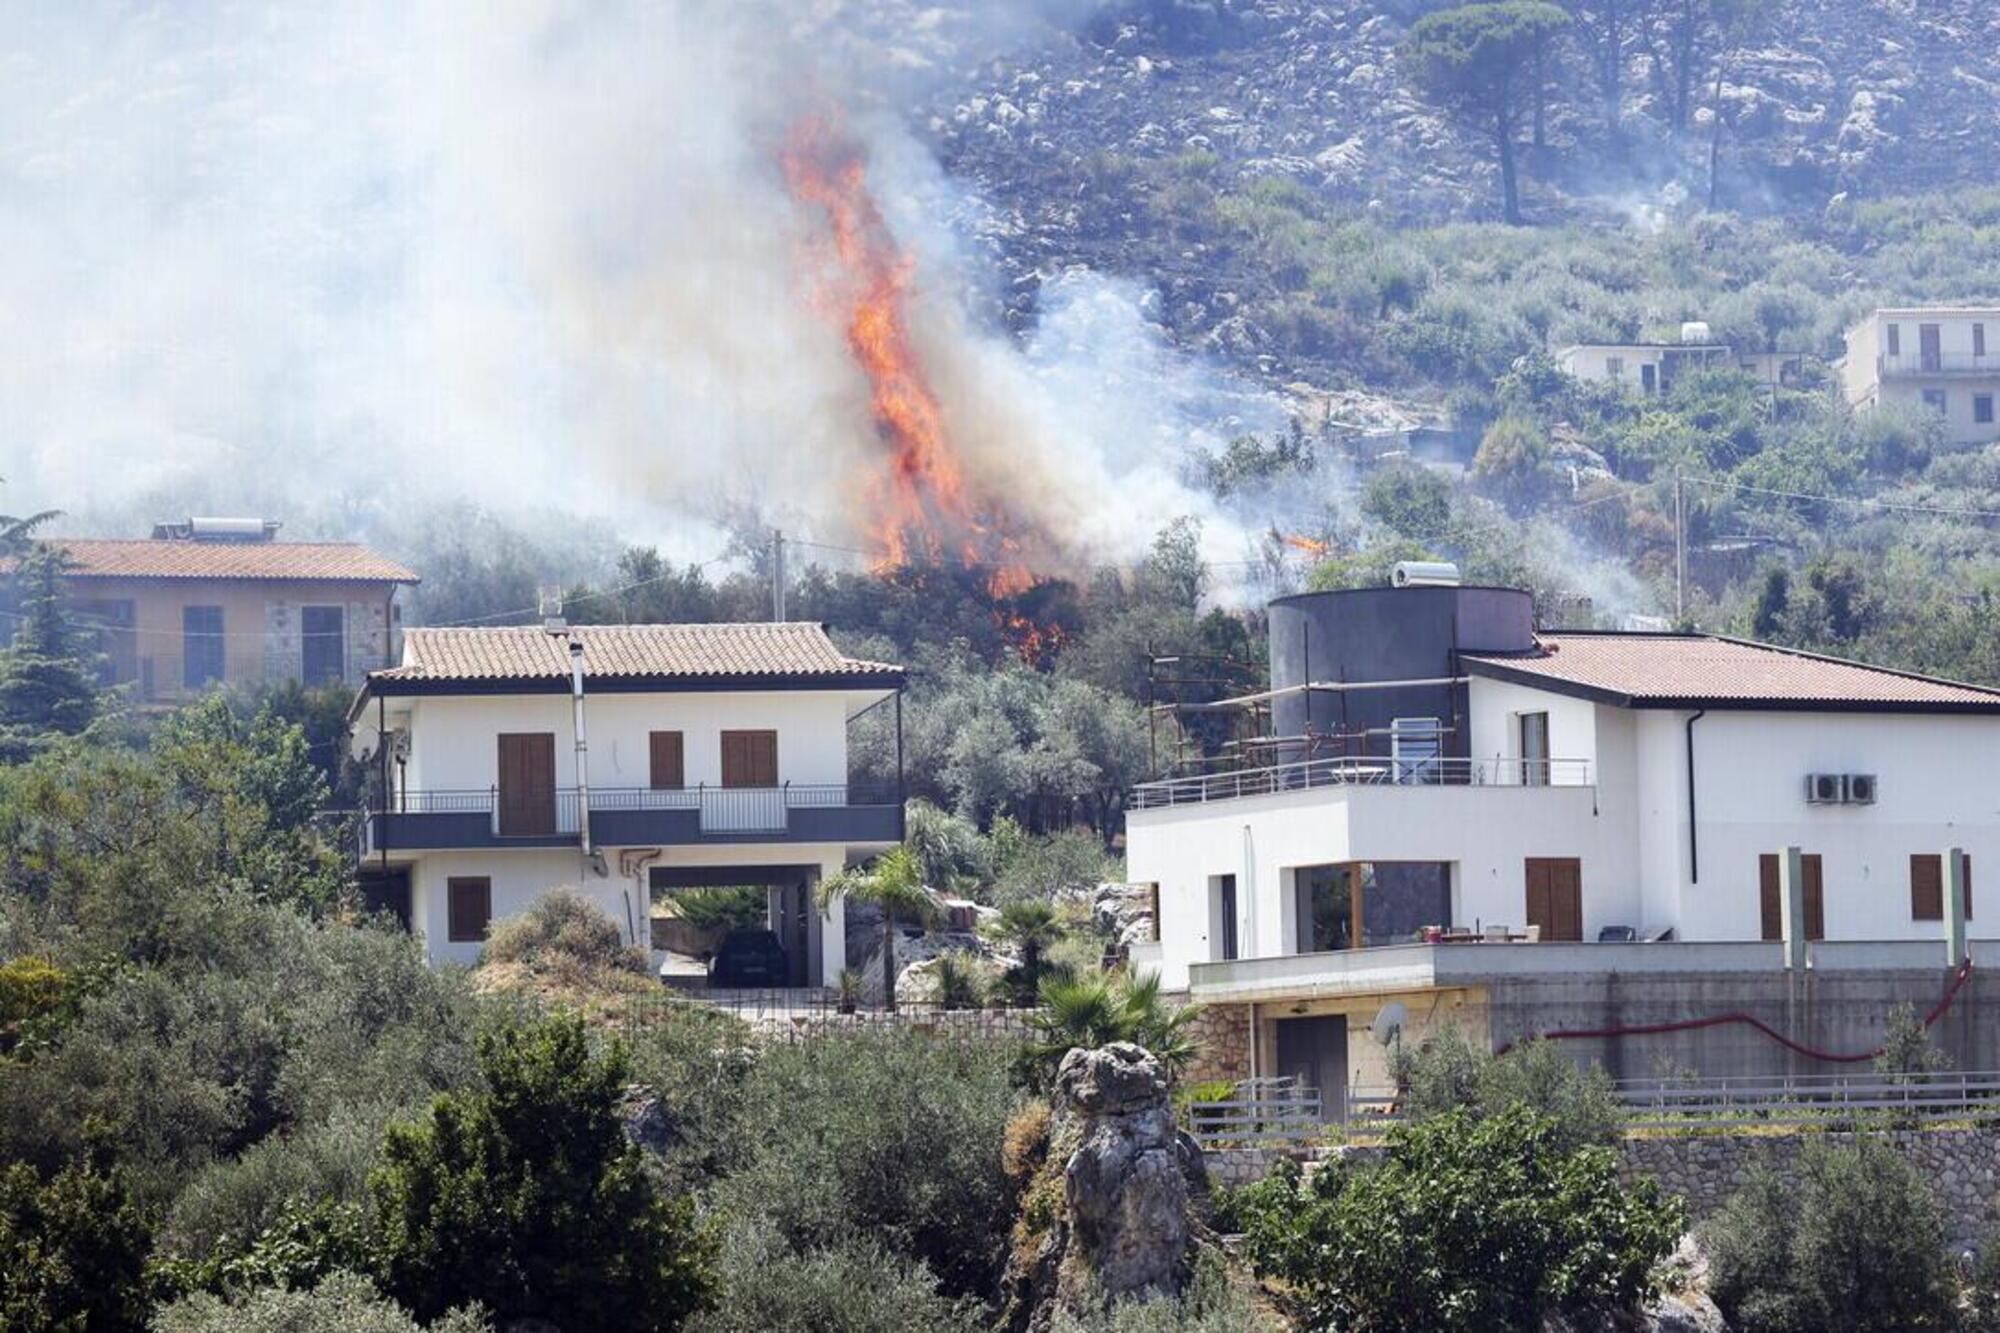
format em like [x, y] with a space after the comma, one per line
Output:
[1826, 788]
[1861, 788]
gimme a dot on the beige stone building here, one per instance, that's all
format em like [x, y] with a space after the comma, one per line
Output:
[1946, 358]
[222, 602]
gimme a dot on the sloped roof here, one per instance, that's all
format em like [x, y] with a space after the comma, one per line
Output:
[325, 562]
[794, 652]
[1711, 671]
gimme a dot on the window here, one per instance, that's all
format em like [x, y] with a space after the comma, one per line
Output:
[1649, 377]
[749, 758]
[1771, 910]
[468, 910]
[1414, 743]
[1979, 340]
[1934, 399]
[1222, 908]
[1614, 366]
[201, 645]
[669, 773]
[323, 641]
[1534, 749]
[1895, 335]
[112, 624]
[1153, 912]
[1927, 887]
[1982, 408]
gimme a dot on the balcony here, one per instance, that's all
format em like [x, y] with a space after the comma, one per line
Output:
[1363, 771]
[1926, 365]
[851, 812]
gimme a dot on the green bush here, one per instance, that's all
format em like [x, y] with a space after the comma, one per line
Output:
[834, 1129]
[31, 988]
[1857, 1244]
[342, 1304]
[697, 1061]
[1448, 1072]
[565, 936]
[528, 1198]
[1466, 1225]
[72, 1251]
[306, 1245]
[855, 1286]
[1214, 1302]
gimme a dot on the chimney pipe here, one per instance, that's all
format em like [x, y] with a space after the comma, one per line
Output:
[582, 745]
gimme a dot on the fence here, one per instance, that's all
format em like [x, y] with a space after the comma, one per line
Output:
[1261, 1111]
[803, 1014]
[1791, 1099]
[1429, 770]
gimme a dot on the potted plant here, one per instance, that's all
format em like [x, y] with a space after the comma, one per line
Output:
[849, 985]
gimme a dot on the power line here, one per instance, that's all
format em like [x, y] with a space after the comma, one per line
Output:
[1897, 506]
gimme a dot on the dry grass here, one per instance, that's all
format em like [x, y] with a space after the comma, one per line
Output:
[563, 951]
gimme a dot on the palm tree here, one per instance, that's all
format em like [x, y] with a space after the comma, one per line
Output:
[1030, 925]
[895, 883]
[1094, 1011]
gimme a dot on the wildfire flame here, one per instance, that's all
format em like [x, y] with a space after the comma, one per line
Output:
[922, 507]
[1310, 545]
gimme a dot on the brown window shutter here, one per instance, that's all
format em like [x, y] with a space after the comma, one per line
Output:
[1815, 896]
[749, 758]
[669, 770]
[1968, 886]
[1153, 906]
[468, 910]
[1769, 909]
[1926, 887]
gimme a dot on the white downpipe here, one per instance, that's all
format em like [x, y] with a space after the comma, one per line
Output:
[582, 746]
[1247, 898]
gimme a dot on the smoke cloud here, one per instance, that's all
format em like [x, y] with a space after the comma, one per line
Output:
[333, 263]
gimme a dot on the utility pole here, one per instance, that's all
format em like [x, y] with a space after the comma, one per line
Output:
[1680, 550]
[778, 574]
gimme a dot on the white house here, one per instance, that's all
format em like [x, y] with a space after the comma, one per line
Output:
[1441, 772]
[1646, 367]
[1944, 357]
[623, 760]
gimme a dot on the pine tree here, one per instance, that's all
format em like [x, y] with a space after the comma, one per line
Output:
[47, 687]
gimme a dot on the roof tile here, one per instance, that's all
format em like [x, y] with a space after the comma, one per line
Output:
[343, 562]
[1662, 668]
[528, 652]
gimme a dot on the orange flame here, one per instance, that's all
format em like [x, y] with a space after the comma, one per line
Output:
[1309, 545]
[922, 507]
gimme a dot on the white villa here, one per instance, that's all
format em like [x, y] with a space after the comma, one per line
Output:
[622, 760]
[1944, 357]
[1460, 818]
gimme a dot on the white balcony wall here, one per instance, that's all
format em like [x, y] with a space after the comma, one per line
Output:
[453, 745]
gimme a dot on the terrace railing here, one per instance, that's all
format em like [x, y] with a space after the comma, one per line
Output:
[1260, 1112]
[1938, 363]
[1364, 770]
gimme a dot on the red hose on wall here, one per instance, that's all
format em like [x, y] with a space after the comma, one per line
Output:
[1719, 1020]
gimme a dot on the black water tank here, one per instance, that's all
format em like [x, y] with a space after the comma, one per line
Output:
[1381, 634]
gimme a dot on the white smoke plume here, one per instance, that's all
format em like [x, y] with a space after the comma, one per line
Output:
[339, 261]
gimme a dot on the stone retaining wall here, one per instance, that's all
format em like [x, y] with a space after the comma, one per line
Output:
[1962, 1167]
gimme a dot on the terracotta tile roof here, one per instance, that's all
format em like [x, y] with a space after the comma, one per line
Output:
[796, 650]
[343, 562]
[1695, 670]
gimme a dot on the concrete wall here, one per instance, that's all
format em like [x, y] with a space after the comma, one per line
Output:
[1960, 427]
[453, 745]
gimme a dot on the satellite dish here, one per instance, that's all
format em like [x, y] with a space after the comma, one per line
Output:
[1388, 1024]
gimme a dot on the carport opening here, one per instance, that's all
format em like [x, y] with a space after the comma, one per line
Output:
[704, 918]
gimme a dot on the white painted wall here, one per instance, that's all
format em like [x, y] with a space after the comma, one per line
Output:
[1939, 788]
[453, 745]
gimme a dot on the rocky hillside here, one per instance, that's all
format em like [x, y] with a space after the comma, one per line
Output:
[1078, 137]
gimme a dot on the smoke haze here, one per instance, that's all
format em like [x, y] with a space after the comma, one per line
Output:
[333, 266]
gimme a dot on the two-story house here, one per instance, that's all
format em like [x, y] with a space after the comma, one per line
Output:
[1646, 367]
[623, 761]
[1461, 818]
[216, 602]
[1946, 358]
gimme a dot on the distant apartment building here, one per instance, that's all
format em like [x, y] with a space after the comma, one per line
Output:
[1946, 358]
[211, 602]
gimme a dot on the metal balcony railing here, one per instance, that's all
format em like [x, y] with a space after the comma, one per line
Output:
[1365, 770]
[554, 812]
[1937, 363]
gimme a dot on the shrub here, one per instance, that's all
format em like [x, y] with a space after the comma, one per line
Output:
[72, 1250]
[528, 1198]
[958, 981]
[342, 1304]
[31, 988]
[1095, 1010]
[696, 1060]
[1466, 1225]
[565, 937]
[855, 1286]
[1213, 1303]
[1857, 1244]
[1448, 1072]
[718, 909]
[834, 1129]
[308, 1243]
